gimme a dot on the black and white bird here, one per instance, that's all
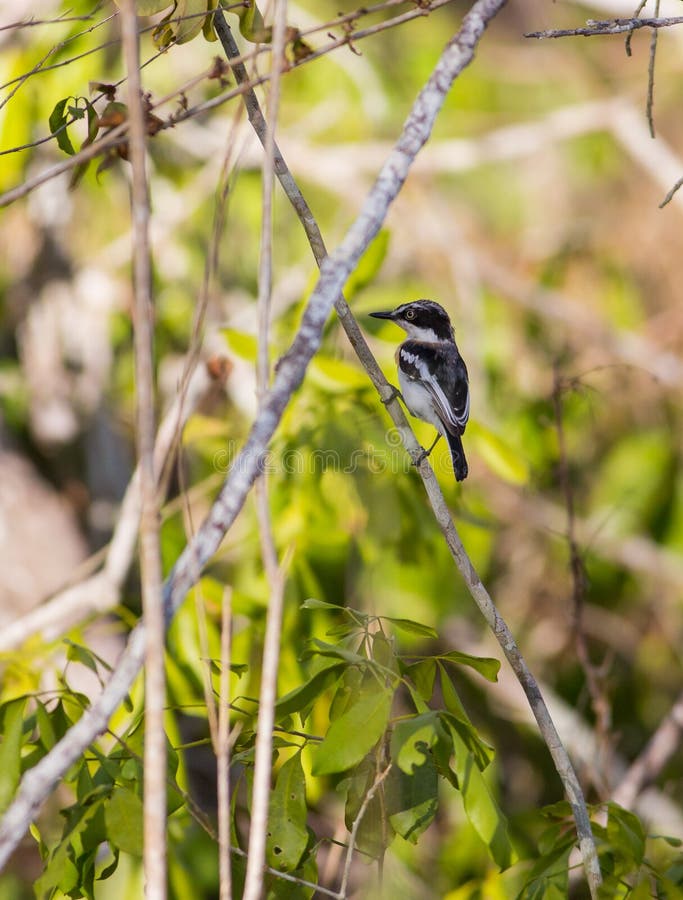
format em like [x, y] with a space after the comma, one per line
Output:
[432, 374]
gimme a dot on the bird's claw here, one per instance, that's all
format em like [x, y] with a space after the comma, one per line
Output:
[395, 394]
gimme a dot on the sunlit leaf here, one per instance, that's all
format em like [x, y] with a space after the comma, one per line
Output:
[412, 627]
[422, 674]
[336, 375]
[353, 734]
[303, 696]
[123, 817]
[412, 800]
[314, 603]
[368, 265]
[242, 344]
[10, 749]
[252, 26]
[411, 739]
[481, 808]
[149, 7]
[504, 460]
[485, 665]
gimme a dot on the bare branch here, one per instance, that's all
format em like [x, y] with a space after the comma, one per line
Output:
[595, 27]
[275, 573]
[150, 548]
[374, 787]
[37, 782]
[660, 748]
[439, 506]
[223, 752]
[101, 592]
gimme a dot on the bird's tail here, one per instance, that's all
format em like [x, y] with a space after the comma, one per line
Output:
[457, 455]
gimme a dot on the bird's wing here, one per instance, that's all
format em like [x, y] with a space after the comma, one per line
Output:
[449, 392]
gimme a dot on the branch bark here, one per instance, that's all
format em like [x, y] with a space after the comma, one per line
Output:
[442, 514]
[38, 782]
[154, 849]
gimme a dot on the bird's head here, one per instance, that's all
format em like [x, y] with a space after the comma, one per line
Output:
[423, 320]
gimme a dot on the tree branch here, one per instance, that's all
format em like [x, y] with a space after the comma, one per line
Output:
[436, 498]
[37, 782]
[595, 27]
[154, 849]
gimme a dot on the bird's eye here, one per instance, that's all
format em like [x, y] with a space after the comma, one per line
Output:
[410, 314]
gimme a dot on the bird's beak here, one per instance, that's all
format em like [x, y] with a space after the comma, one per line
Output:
[383, 315]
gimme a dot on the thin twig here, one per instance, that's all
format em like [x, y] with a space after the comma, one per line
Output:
[660, 748]
[150, 550]
[117, 136]
[101, 591]
[651, 76]
[223, 752]
[442, 514]
[596, 27]
[274, 571]
[367, 799]
[38, 781]
[596, 691]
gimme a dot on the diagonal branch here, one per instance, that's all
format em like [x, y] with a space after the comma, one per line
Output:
[479, 593]
[40, 780]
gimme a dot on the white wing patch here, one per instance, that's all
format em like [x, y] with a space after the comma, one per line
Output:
[443, 407]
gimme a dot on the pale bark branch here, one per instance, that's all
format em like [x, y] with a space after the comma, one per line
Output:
[438, 503]
[223, 752]
[660, 748]
[275, 574]
[372, 790]
[37, 783]
[595, 27]
[154, 844]
[101, 592]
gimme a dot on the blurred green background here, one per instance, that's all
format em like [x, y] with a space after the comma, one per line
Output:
[532, 216]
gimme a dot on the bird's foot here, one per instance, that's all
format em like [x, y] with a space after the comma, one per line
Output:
[395, 394]
[417, 462]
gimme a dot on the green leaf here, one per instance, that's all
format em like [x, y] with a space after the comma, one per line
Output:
[123, 820]
[149, 7]
[450, 696]
[626, 834]
[422, 674]
[322, 648]
[58, 126]
[77, 653]
[411, 740]
[368, 265]
[314, 603]
[303, 696]
[412, 800]
[411, 627]
[48, 738]
[480, 807]
[375, 830]
[354, 733]
[504, 460]
[552, 866]
[10, 749]
[182, 24]
[287, 835]
[243, 345]
[485, 665]
[336, 376]
[252, 26]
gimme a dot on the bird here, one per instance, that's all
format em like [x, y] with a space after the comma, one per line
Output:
[432, 374]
